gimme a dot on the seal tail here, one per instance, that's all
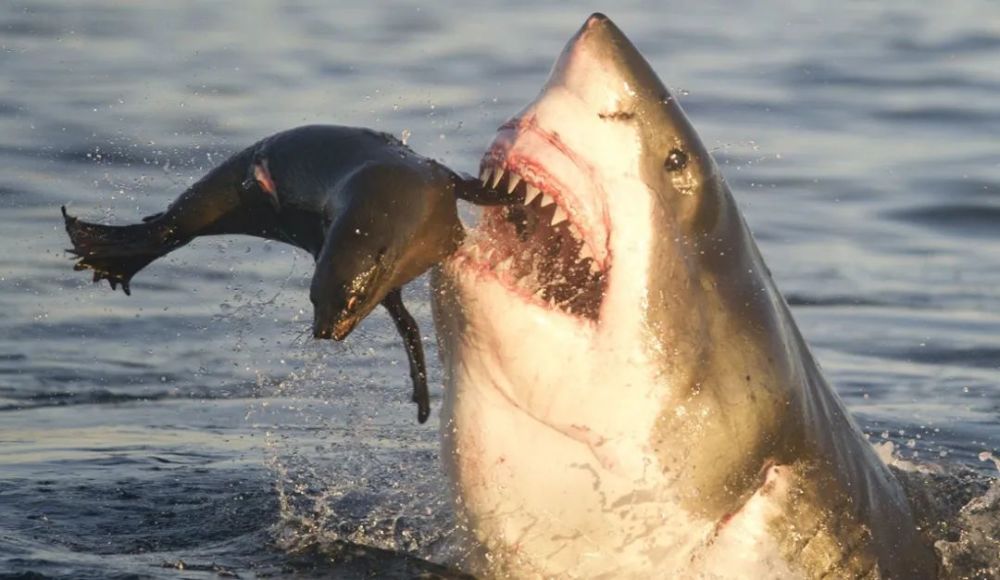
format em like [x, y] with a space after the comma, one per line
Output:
[114, 253]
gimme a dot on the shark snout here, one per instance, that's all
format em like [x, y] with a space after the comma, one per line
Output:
[597, 19]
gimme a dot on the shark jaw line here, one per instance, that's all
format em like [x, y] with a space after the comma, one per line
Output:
[545, 250]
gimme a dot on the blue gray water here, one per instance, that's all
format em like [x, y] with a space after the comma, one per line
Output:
[195, 430]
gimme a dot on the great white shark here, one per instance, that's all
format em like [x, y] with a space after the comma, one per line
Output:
[627, 394]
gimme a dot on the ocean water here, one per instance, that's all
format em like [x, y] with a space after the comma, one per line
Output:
[195, 429]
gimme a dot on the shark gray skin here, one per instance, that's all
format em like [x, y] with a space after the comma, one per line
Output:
[372, 213]
[627, 394]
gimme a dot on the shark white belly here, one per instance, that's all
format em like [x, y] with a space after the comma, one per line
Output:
[627, 394]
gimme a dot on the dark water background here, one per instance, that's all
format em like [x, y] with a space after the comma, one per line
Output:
[194, 430]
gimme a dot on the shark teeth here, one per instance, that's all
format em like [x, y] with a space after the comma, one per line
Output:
[496, 178]
[559, 216]
[492, 176]
[512, 182]
[531, 192]
[538, 244]
[503, 179]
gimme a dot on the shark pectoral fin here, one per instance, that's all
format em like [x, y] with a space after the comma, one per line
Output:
[410, 332]
[475, 191]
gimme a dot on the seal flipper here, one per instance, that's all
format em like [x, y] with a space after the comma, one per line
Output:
[114, 253]
[216, 204]
[410, 332]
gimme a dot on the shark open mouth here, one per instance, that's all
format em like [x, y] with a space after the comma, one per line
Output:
[543, 249]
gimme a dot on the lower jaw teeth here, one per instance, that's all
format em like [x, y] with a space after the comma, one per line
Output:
[551, 267]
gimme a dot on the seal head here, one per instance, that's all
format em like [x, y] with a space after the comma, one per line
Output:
[399, 220]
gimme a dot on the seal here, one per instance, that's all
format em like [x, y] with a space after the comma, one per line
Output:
[627, 394]
[373, 214]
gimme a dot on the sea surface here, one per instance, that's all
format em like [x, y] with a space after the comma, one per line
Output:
[196, 430]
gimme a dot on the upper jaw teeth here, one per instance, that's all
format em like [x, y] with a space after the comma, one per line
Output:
[531, 192]
[493, 176]
[512, 182]
[559, 216]
[504, 262]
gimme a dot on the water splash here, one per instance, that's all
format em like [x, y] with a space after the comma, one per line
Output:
[354, 482]
[958, 509]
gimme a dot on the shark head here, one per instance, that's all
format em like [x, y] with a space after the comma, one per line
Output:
[619, 196]
[587, 325]
[621, 368]
[624, 264]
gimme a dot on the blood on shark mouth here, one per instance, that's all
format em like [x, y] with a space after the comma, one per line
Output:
[538, 249]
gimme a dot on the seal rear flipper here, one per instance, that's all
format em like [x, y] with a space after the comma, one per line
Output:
[114, 253]
[410, 332]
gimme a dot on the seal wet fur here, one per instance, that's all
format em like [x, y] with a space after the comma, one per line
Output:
[373, 214]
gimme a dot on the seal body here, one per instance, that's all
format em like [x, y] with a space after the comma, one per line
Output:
[627, 393]
[373, 214]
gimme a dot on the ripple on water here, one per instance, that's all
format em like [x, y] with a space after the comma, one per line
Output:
[963, 220]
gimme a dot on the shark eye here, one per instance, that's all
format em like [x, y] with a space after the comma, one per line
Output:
[676, 160]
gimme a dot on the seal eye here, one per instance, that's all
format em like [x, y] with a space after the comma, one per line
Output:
[676, 160]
